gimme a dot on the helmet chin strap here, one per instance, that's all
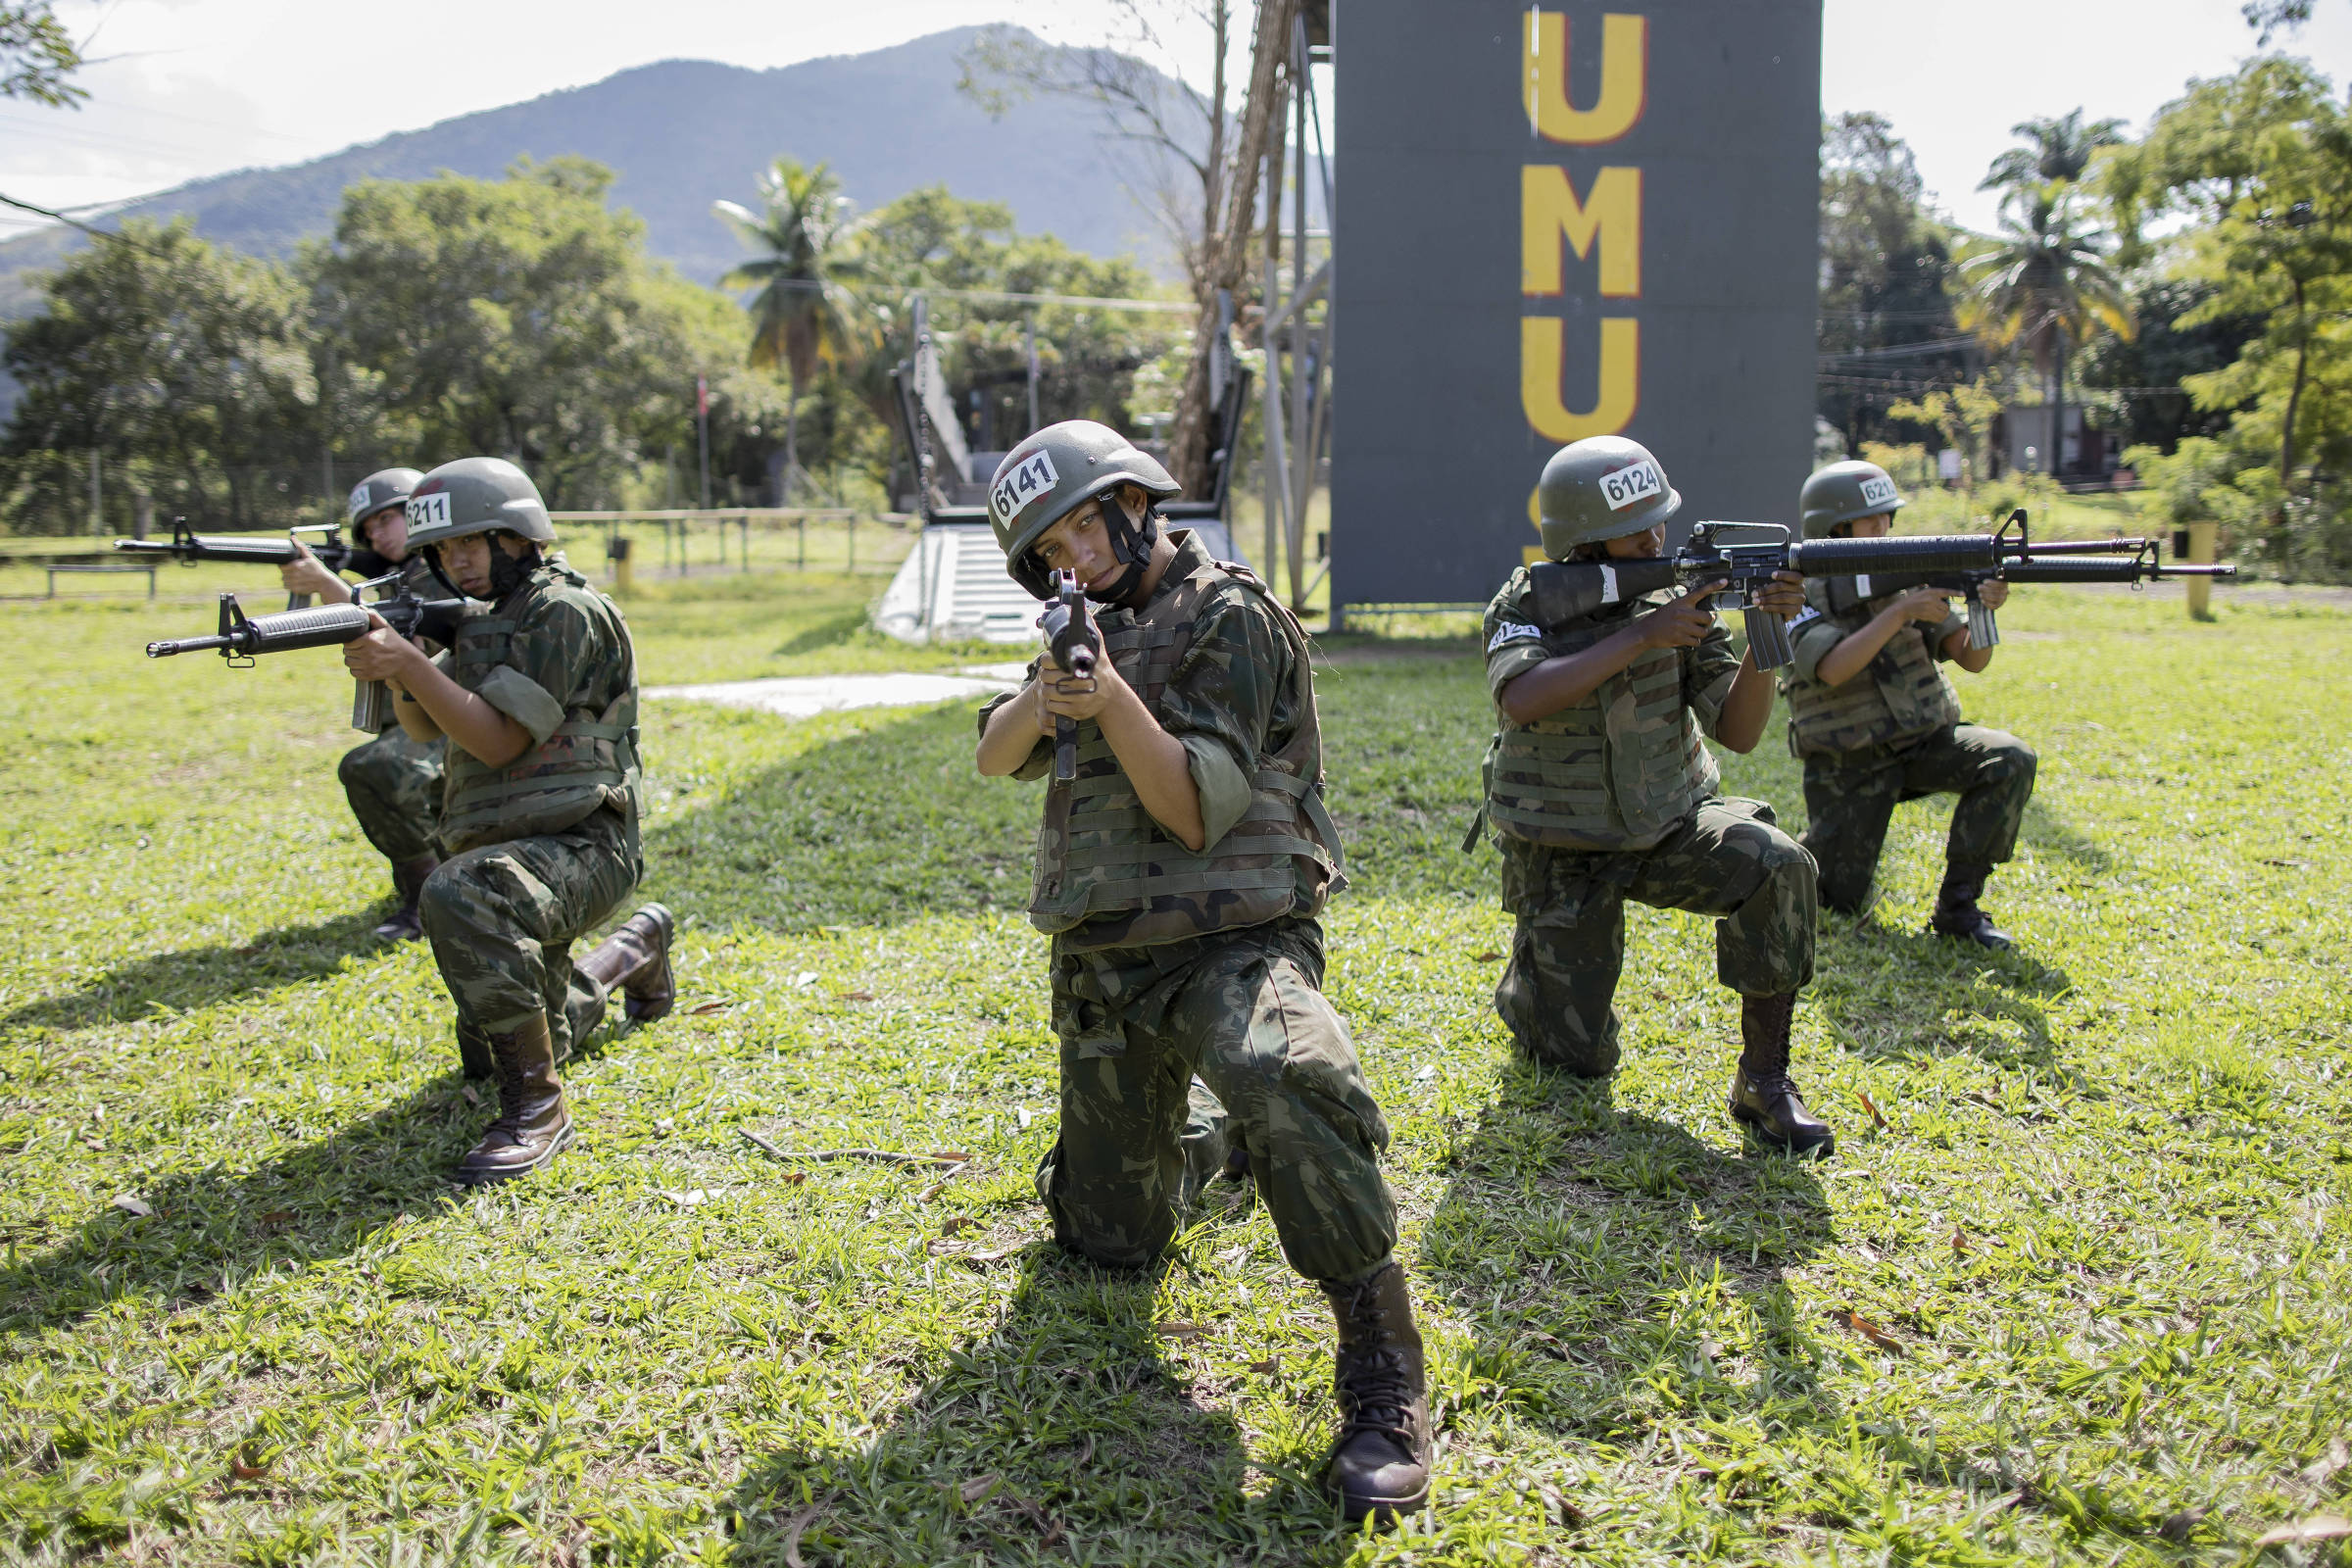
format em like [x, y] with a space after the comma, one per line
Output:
[507, 572]
[1132, 544]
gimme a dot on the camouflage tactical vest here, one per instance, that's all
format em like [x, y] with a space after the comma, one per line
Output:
[1611, 772]
[1900, 694]
[1100, 853]
[587, 763]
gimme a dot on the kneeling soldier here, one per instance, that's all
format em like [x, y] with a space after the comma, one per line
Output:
[393, 782]
[539, 702]
[1180, 874]
[1599, 789]
[1876, 722]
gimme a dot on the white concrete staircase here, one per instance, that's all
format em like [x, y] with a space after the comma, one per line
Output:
[953, 587]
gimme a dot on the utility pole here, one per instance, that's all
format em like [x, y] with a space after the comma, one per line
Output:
[701, 432]
[97, 507]
[1029, 336]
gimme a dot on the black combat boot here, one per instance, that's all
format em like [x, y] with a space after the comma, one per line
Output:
[1763, 1096]
[635, 960]
[1957, 914]
[408, 882]
[532, 1123]
[1380, 1464]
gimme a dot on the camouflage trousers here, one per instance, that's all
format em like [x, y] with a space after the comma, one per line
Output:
[502, 920]
[1171, 1055]
[394, 785]
[1850, 796]
[1726, 858]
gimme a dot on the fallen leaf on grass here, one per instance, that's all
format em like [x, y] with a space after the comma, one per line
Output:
[278, 1217]
[135, 1207]
[473, 1096]
[1867, 1329]
[804, 979]
[1960, 1240]
[2176, 1526]
[1271, 1367]
[1872, 1107]
[995, 1254]
[244, 1467]
[690, 1199]
[1180, 1329]
[702, 1010]
[2337, 1457]
[958, 1223]
[2319, 1527]
[861, 994]
[1044, 1520]
[1562, 1509]
[792, 1537]
[978, 1487]
[951, 1157]
[1490, 956]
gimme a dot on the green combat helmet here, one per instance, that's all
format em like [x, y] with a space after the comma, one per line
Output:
[1601, 487]
[1843, 492]
[388, 487]
[1054, 472]
[478, 495]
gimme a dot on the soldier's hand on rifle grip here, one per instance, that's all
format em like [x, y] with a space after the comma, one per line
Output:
[1680, 623]
[380, 652]
[1062, 696]
[1784, 596]
[306, 573]
[1928, 604]
[1993, 594]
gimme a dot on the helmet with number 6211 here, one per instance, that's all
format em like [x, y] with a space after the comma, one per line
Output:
[1052, 474]
[1843, 492]
[476, 495]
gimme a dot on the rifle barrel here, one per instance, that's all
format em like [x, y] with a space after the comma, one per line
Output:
[166, 648]
[2086, 546]
[1948, 551]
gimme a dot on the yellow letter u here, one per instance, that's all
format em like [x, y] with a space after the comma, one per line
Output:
[1624, 78]
[1543, 355]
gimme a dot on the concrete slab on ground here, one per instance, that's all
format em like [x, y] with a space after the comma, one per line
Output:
[806, 696]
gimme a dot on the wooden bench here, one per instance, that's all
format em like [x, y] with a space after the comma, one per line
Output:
[147, 568]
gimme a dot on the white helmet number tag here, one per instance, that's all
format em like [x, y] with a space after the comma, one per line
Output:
[1033, 478]
[1629, 485]
[429, 512]
[1878, 492]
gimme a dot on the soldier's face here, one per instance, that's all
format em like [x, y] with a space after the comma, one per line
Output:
[1643, 546]
[387, 533]
[1878, 525]
[1081, 543]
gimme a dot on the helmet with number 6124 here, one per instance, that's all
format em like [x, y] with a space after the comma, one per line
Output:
[1052, 474]
[1601, 487]
[1843, 492]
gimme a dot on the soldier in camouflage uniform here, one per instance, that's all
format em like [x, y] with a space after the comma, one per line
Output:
[393, 782]
[1876, 721]
[1180, 874]
[540, 816]
[1600, 789]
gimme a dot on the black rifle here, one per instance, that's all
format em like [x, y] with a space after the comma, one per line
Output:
[2115, 561]
[1074, 643]
[1567, 591]
[242, 637]
[188, 547]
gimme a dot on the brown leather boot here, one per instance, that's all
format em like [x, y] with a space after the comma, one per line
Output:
[1763, 1095]
[1380, 1464]
[635, 960]
[532, 1123]
[408, 883]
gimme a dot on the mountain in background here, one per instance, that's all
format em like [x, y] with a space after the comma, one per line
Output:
[683, 133]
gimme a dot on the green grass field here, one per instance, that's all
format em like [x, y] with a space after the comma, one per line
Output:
[2077, 1290]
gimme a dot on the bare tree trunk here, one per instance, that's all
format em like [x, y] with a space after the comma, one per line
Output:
[1225, 264]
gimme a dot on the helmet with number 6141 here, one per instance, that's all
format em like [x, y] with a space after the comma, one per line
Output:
[1601, 487]
[1052, 474]
[1843, 492]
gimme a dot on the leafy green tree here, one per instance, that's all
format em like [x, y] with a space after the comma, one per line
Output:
[184, 366]
[517, 317]
[2260, 166]
[805, 313]
[1887, 323]
[38, 55]
[2040, 283]
[2062, 150]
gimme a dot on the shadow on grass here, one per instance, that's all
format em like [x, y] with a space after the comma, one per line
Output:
[1062, 1433]
[2052, 837]
[1609, 1266]
[825, 632]
[211, 1228]
[1883, 991]
[198, 977]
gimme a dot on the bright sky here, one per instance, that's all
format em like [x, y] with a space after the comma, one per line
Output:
[185, 88]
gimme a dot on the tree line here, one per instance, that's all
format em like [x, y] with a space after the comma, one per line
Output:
[2189, 290]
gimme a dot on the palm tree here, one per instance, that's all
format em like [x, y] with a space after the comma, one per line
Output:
[2042, 282]
[805, 313]
[2062, 150]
